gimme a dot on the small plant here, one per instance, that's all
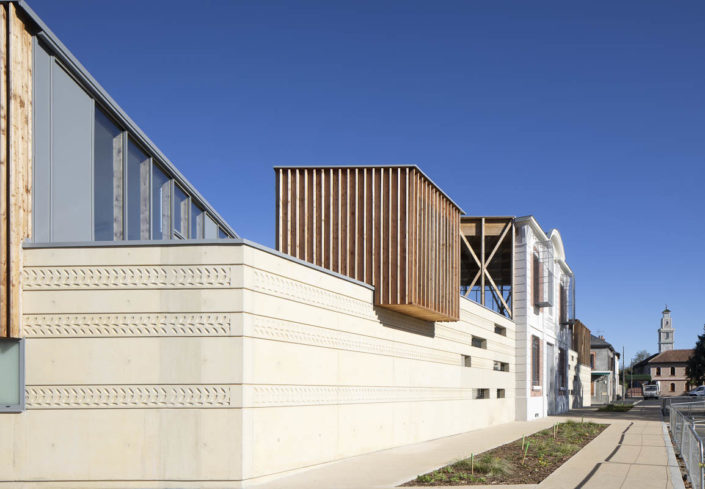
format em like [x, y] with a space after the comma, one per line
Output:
[525, 452]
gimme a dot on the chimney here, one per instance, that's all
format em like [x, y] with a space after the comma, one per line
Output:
[601, 337]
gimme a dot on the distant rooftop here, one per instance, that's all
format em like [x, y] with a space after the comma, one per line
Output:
[672, 356]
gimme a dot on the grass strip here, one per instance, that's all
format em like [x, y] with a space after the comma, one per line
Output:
[528, 460]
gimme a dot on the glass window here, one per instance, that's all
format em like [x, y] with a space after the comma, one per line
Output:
[478, 342]
[137, 192]
[181, 205]
[481, 393]
[161, 204]
[467, 361]
[11, 375]
[535, 360]
[562, 367]
[500, 394]
[501, 330]
[107, 177]
[222, 234]
[501, 366]
[211, 228]
[196, 221]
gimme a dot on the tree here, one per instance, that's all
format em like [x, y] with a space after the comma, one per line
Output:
[695, 368]
[640, 355]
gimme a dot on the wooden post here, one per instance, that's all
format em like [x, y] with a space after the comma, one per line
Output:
[482, 259]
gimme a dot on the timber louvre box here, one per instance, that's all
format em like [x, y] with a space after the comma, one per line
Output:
[390, 227]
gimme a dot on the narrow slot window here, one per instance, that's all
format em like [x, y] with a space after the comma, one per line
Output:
[467, 361]
[501, 394]
[501, 366]
[478, 342]
[535, 361]
[481, 393]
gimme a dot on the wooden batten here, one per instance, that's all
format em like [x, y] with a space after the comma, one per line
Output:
[581, 342]
[15, 163]
[390, 227]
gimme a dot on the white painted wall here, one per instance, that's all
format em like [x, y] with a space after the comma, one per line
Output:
[542, 322]
[159, 366]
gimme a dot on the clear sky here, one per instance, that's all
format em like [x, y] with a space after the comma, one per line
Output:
[588, 115]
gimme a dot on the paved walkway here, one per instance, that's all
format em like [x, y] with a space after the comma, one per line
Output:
[631, 453]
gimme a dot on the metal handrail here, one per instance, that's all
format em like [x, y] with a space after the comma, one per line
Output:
[687, 440]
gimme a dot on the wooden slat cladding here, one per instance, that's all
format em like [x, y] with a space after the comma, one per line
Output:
[389, 227]
[581, 342]
[15, 163]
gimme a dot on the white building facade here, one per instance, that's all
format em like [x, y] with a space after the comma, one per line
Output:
[542, 300]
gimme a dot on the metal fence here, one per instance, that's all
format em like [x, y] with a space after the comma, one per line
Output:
[687, 421]
[666, 402]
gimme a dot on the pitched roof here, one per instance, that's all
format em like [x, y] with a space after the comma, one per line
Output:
[597, 342]
[672, 356]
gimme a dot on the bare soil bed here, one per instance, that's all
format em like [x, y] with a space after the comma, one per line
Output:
[527, 460]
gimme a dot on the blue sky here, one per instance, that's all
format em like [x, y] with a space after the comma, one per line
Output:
[590, 116]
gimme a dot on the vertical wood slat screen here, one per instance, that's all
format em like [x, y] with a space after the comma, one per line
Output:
[581, 342]
[15, 162]
[389, 227]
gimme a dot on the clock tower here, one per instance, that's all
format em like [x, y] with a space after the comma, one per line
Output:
[665, 332]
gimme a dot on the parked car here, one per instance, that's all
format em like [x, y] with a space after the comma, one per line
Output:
[651, 391]
[698, 391]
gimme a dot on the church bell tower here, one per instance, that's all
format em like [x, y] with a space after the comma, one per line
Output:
[665, 332]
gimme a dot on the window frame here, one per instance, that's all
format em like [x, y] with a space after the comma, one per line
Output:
[562, 368]
[176, 227]
[21, 407]
[479, 340]
[535, 361]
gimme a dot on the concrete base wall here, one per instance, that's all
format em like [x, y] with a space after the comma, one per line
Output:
[224, 365]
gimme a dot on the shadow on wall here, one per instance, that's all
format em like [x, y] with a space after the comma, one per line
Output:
[396, 320]
[577, 388]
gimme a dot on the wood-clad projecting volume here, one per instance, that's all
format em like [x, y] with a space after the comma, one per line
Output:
[581, 342]
[15, 162]
[390, 227]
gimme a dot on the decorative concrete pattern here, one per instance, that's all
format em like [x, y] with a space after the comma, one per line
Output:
[308, 335]
[306, 395]
[127, 396]
[309, 294]
[152, 277]
[125, 325]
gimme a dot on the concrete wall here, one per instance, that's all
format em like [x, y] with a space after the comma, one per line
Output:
[209, 365]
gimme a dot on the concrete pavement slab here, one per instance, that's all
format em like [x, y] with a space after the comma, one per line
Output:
[645, 477]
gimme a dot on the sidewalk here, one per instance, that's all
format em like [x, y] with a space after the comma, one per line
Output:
[630, 453]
